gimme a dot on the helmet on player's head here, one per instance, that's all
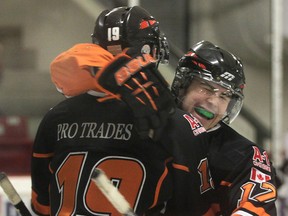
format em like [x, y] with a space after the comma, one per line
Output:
[130, 27]
[211, 63]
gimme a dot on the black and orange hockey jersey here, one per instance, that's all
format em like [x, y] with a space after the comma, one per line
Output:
[80, 134]
[235, 177]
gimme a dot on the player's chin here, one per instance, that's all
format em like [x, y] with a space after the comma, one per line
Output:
[204, 121]
[210, 124]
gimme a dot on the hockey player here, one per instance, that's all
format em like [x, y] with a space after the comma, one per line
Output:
[236, 177]
[94, 128]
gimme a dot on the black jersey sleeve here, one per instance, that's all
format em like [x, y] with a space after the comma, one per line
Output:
[40, 172]
[245, 179]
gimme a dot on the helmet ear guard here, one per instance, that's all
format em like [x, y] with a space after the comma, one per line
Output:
[98, 25]
[211, 63]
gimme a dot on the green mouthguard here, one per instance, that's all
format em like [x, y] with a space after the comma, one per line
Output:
[204, 113]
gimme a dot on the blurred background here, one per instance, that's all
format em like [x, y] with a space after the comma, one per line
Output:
[34, 32]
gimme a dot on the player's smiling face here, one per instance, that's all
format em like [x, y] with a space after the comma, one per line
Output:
[207, 101]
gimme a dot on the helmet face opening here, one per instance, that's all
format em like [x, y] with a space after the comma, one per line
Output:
[125, 27]
[211, 63]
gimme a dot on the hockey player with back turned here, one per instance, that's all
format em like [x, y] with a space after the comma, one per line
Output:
[95, 128]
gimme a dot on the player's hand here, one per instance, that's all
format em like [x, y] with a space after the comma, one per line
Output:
[142, 87]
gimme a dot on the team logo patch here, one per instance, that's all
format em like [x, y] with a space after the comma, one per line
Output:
[258, 176]
[196, 126]
[261, 159]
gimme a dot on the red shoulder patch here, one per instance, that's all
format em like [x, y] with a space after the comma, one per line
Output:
[195, 124]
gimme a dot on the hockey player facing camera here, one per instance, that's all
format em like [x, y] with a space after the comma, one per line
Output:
[235, 177]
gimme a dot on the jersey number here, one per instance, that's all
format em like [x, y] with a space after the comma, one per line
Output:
[205, 176]
[127, 174]
[268, 195]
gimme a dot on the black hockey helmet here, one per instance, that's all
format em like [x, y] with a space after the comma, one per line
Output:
[130, 27]
[211, 63]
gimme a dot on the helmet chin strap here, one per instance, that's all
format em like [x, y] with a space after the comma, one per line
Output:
[115, 49]
[163, 50]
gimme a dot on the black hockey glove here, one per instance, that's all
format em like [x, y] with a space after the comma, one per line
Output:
[142, 87]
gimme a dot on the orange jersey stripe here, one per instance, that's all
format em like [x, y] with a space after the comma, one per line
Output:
[180, 167]
[249, 206]
[159, 184]
[43, 209]
[224, 183]
[40, 155]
